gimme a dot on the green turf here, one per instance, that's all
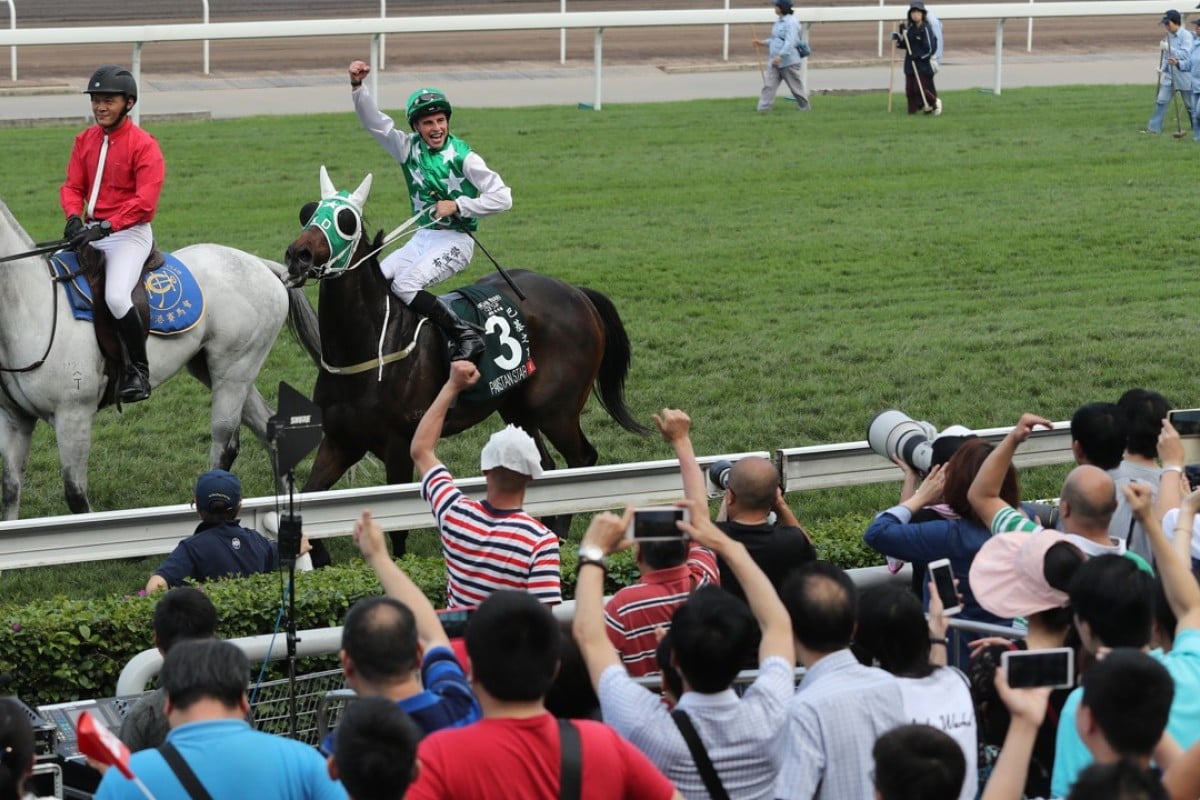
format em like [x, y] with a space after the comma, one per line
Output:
[782, 276]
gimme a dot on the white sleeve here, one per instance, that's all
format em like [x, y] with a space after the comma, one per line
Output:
[494, 195]
[380, 125]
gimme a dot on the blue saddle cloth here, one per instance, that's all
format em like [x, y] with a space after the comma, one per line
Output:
[507, 360]
[176, 300]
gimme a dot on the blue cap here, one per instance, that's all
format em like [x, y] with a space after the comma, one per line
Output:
[1171, 16]
[218, 491]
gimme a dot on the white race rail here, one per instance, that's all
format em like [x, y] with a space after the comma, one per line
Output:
[377, 27]
[148, 531]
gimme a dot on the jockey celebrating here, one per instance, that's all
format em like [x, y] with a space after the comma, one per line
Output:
[113, 182]
[445, 174]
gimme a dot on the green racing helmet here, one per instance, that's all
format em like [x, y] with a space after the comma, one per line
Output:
[426, 101]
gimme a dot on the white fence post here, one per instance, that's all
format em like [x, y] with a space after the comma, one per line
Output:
[562, 35]
[12, 25]
[1029, 34]
[205, 16]
[999, 53]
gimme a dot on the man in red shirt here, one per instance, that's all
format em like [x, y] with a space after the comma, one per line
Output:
[518, 750]
[110, 196]
[670, 571]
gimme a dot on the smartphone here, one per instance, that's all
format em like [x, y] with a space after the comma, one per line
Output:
[657, 523]
[1187, 422]
[454, 622]
[943, 583]
[1027, 668]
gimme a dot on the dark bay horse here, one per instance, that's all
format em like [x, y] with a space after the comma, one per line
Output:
[576, 339]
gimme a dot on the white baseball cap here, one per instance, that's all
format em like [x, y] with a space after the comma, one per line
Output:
[513, 449]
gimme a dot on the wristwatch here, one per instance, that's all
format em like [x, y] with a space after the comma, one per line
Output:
[591, 554]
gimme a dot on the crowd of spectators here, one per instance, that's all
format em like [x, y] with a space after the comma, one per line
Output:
[894, 699]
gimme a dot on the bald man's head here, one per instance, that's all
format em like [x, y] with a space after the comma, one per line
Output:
[754, 482]
[1091, 495]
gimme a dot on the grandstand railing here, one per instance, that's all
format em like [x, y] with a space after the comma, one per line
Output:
[148, 531]
[377, 27]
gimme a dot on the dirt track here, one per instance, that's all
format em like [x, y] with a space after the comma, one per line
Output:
[831, 42]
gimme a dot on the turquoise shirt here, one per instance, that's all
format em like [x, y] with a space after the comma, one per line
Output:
[1071, 756]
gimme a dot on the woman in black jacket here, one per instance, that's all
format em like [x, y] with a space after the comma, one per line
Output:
[919, 43]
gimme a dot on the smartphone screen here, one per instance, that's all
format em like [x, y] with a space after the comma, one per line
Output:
[1185, 420]
[943, 582]
[1028, 668]
[656, 523]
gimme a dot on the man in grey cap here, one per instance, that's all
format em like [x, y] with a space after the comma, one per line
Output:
[1173, 77]
[490, 544]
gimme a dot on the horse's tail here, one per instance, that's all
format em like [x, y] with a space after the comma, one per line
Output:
[614, 365]
[302, 319]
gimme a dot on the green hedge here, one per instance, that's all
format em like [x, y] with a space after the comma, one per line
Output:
[61, 649]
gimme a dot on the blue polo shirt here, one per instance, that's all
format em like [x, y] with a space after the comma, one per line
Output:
[230, 759]
[217, 550]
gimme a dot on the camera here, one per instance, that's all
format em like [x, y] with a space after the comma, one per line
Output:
[895, 435]
[718, 473]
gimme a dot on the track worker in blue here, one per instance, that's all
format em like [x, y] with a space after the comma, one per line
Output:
[1192, 67]
[1176, 49]
[114, 178]
[785, 64]
[220, 547]
[919, 43]
[442, 173]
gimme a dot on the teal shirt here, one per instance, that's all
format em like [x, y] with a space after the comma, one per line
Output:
[1071, 756]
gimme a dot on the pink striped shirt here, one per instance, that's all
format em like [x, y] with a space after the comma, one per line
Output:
[487, 549]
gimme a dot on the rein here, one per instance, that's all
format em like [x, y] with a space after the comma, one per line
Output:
[49, 344]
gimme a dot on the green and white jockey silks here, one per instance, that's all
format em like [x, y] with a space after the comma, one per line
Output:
[340, 221]
[438, 175]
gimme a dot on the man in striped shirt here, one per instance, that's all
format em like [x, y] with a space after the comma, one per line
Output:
[670, 571]
[490, 544]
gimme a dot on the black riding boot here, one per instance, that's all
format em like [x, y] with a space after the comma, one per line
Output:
[135, 378]
[465, 338]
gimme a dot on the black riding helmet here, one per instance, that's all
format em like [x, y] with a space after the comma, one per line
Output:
[111, 79]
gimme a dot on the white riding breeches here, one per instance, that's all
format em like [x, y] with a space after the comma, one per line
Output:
[125, 253]
[427, 258]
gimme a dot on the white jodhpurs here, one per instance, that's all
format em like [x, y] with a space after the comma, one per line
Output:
[429, 257]
[125, 253]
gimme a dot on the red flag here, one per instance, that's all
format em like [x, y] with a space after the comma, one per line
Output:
[97, 742]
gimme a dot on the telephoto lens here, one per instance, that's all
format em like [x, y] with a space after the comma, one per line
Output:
[718, 473]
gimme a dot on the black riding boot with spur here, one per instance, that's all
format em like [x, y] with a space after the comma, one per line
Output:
[467, 345]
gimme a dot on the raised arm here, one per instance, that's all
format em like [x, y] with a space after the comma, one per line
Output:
[675, 426]
[423, 449]
[1173, 559]
[606, 534]
[768, 609]
[1172, 484]
[369, 538]
[984, 494]
[1028, 709]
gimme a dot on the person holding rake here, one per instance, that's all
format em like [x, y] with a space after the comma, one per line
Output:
[786, 64]
[1176, 49]
[919, 43]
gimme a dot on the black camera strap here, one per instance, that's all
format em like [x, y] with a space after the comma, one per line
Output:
[708, 773]
[570, 776]
[191, 784]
